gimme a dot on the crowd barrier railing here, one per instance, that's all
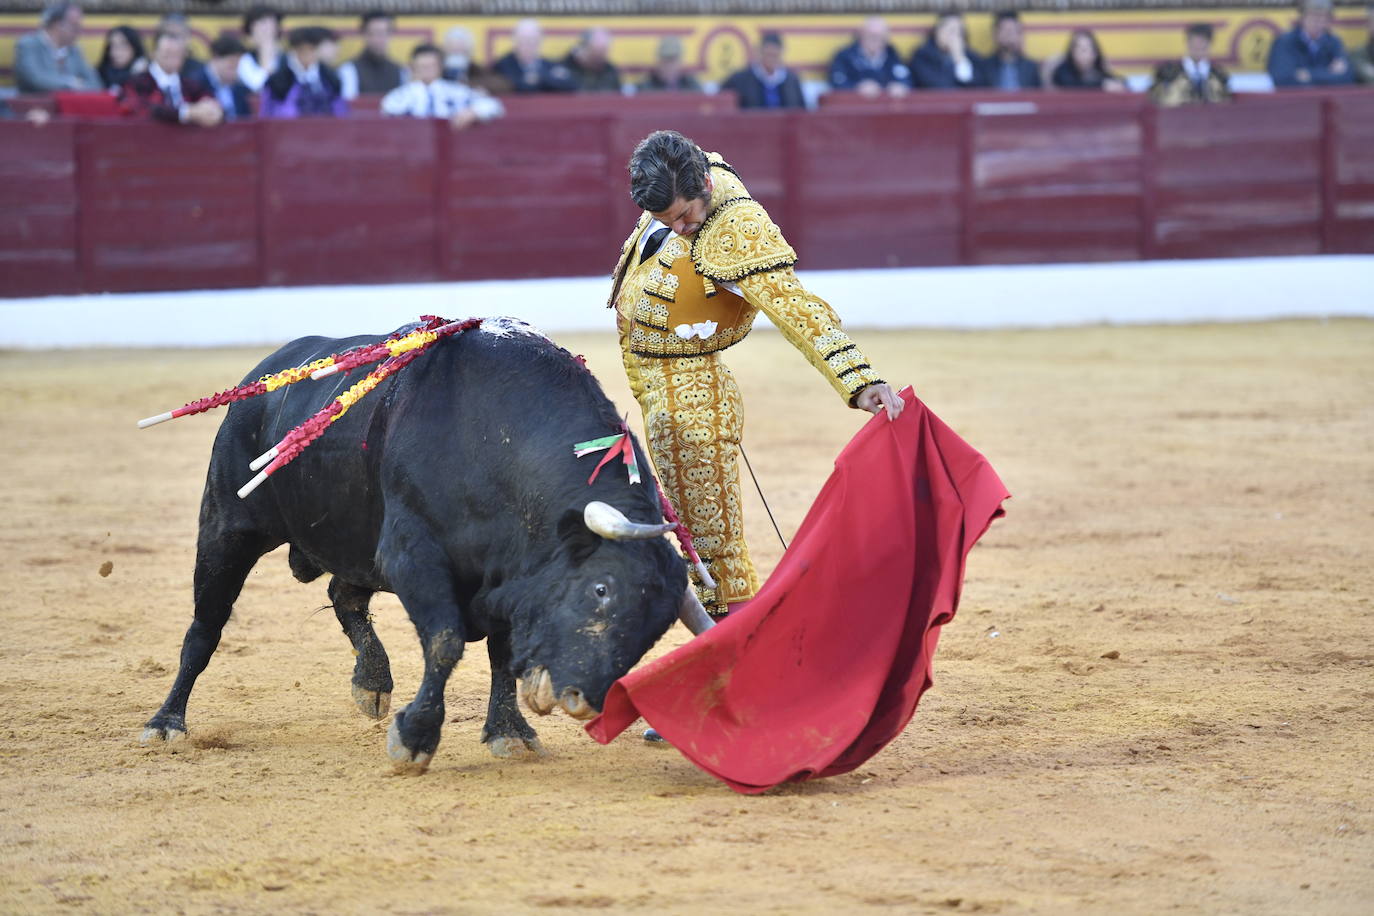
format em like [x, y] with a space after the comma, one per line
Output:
[94, 206]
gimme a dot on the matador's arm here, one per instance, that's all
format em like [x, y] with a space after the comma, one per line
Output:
[739, 244]
[811, 325]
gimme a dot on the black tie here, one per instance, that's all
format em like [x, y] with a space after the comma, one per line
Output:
[652, 246]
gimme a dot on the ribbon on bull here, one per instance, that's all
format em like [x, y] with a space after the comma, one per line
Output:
[618, 445]
[622, 444]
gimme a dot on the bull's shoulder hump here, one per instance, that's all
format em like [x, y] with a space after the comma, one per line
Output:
[505, 326]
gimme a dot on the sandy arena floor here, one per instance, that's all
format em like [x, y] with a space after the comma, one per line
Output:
[1158, 695]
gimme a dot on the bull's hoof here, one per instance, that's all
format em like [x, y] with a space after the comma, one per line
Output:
[406, 761]
[158, 736]
[163, 730]
[373, 703]
[509, 747]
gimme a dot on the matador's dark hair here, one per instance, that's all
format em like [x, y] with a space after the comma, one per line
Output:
[665, 166]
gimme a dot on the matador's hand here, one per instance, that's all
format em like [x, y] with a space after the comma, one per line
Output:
[880, 397]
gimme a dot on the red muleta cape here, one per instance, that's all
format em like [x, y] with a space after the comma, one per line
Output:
[825, 665]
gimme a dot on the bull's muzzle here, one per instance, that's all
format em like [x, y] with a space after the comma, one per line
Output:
[536, 690]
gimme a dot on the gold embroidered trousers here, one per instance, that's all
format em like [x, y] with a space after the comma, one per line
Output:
[693, 417]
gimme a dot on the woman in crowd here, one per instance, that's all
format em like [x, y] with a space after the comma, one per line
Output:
[262, 27]
[1083, 66]
[122, 58]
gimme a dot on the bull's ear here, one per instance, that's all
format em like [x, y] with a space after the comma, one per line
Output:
[579, 540]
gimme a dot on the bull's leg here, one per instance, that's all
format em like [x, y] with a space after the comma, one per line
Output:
[372, 669]
[223, 561]
[506, 733]
[419, 573]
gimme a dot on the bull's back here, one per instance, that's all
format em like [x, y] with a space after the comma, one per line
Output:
[324, 503]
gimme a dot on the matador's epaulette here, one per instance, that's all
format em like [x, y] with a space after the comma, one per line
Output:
[737, 240]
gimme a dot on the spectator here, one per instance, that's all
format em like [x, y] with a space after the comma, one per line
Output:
[37, 115]
[303, 85]
[1362, 59]
[871, 64]
[48, 59]
[226, 53]
[1083, 66]
[1009, 68]
[668, 74]
[372, 72]
[428, 95]
[944, 61]
[526, 71]
[165, 92]
[122, 58]
[590, 62]
[328, 53]
[1195, 78]
[1310, 55]
[262, 27]
[176, 24]
[460, 64]
[767, 83]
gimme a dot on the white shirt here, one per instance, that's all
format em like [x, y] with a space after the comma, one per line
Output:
[306, 76]
[170, 85]
[1197, 70]
[251, 73]
[771, 80]
[439, 99]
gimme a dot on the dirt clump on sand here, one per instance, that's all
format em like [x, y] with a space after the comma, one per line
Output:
[1158, 694]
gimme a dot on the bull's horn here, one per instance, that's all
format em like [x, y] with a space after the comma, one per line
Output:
[609, 522]
[692, 614]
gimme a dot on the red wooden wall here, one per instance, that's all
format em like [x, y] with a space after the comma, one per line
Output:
[945, 179]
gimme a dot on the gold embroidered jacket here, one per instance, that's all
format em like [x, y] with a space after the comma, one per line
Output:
[677, 304]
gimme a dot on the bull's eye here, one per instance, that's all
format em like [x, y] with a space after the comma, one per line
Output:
[601, 590]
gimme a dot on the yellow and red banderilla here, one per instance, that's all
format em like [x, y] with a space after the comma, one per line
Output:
[398, 351]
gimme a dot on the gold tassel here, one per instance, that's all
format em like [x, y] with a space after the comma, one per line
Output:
[708, 287]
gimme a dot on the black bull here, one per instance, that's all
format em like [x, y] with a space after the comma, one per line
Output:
[454, 486]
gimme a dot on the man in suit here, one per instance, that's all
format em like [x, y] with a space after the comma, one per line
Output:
[48, 60]
[767, 83]
[871, 65]
[1362, 58]
[177, 25]
[1310, 55]
[222, 75]
[944, 60]
[304, 85]
[163, 93]
[590, 62]
[1193, 79]
[372, 72]
[526, 70]
[1009, 68]
[668, 74]
[428, 95]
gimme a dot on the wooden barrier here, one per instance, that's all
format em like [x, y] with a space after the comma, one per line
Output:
[936, 179]
[38, 195]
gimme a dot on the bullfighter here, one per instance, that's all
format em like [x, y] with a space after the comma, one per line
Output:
[703, 260]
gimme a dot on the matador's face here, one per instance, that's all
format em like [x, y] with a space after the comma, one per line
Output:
[686, 216]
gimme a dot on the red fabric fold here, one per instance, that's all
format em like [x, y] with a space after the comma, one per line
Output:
[826, 664]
